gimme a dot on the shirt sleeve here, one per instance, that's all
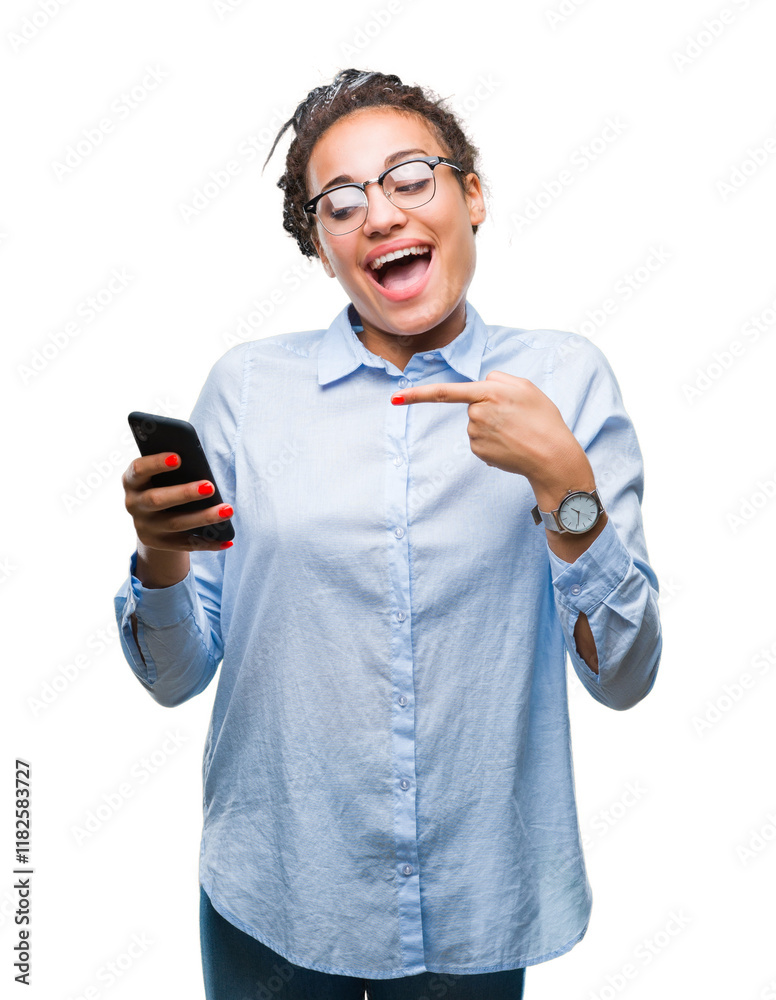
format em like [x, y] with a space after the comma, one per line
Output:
[172, 636]
[612, 581]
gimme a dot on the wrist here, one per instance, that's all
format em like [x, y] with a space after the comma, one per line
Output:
[568, 472]
[569, 546]
[158, 568]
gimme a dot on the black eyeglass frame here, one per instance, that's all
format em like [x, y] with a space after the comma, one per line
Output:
[432, 161]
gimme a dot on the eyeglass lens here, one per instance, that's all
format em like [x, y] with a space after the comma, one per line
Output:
[408, 185]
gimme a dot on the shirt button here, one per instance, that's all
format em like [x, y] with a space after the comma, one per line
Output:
[399, 532]
[575, 588]
[403, 382]
[428, 357]
[400, 615]
[403, 700]
[398, 460]
[407, 870]
[404, 784]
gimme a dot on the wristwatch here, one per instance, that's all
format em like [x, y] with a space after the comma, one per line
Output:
[578, 512]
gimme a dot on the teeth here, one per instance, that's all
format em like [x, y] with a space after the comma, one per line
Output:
[379, 261]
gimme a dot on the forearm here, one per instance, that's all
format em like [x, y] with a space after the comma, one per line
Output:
[571, 472]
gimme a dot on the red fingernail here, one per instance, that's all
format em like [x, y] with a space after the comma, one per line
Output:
[397, 399]
[205, 489]
[225, 511]
[171, 460]
[226, 545]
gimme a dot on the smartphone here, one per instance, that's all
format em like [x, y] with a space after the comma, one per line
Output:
[153, 434]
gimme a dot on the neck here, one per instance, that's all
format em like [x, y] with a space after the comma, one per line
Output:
[398, 348]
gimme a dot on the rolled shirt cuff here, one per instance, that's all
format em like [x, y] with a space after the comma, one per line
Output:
[594, 574]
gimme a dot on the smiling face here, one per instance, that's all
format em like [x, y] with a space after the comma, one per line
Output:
[423, 307]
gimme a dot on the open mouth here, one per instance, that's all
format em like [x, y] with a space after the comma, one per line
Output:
[400, 272]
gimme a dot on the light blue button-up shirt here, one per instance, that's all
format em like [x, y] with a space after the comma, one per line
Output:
[387, 775]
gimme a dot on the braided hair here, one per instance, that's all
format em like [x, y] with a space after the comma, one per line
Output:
[350, 91]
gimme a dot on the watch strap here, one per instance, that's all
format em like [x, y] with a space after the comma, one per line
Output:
[547, 518]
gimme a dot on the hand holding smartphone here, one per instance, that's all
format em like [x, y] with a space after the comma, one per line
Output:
[155, 434]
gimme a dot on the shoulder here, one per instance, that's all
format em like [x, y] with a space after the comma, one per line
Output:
[553, 353]
[235, 366]
[303, 344]
[557, 345]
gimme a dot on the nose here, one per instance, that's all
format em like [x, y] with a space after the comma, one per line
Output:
[382, 215]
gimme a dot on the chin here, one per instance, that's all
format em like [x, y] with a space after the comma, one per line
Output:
[412, 317]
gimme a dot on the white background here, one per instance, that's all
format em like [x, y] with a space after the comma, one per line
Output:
[685, 777]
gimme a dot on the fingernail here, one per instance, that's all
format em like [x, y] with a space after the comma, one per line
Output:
[226, 545]
[171, 460]
[225, 511]
[397, 399]
[205, 489]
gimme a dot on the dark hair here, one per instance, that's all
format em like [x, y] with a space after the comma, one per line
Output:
[351, 90]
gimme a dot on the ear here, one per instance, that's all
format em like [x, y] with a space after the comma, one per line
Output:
[322, 254]
[475, 200]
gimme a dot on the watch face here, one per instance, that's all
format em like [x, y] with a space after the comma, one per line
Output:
[578, 513]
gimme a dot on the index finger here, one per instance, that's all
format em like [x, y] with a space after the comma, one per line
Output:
[442, 392]
[141, 469]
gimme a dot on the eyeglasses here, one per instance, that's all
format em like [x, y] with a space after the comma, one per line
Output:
[410, 184]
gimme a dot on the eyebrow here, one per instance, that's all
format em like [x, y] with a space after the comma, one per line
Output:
[391, 158]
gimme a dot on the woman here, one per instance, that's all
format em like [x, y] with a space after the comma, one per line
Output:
[388, 785]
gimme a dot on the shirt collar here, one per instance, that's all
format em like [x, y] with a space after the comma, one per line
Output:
[341, 352]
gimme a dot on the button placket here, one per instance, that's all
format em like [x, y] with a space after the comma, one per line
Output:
[402, 676]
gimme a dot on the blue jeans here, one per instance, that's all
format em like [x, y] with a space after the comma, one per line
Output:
[238, 967]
